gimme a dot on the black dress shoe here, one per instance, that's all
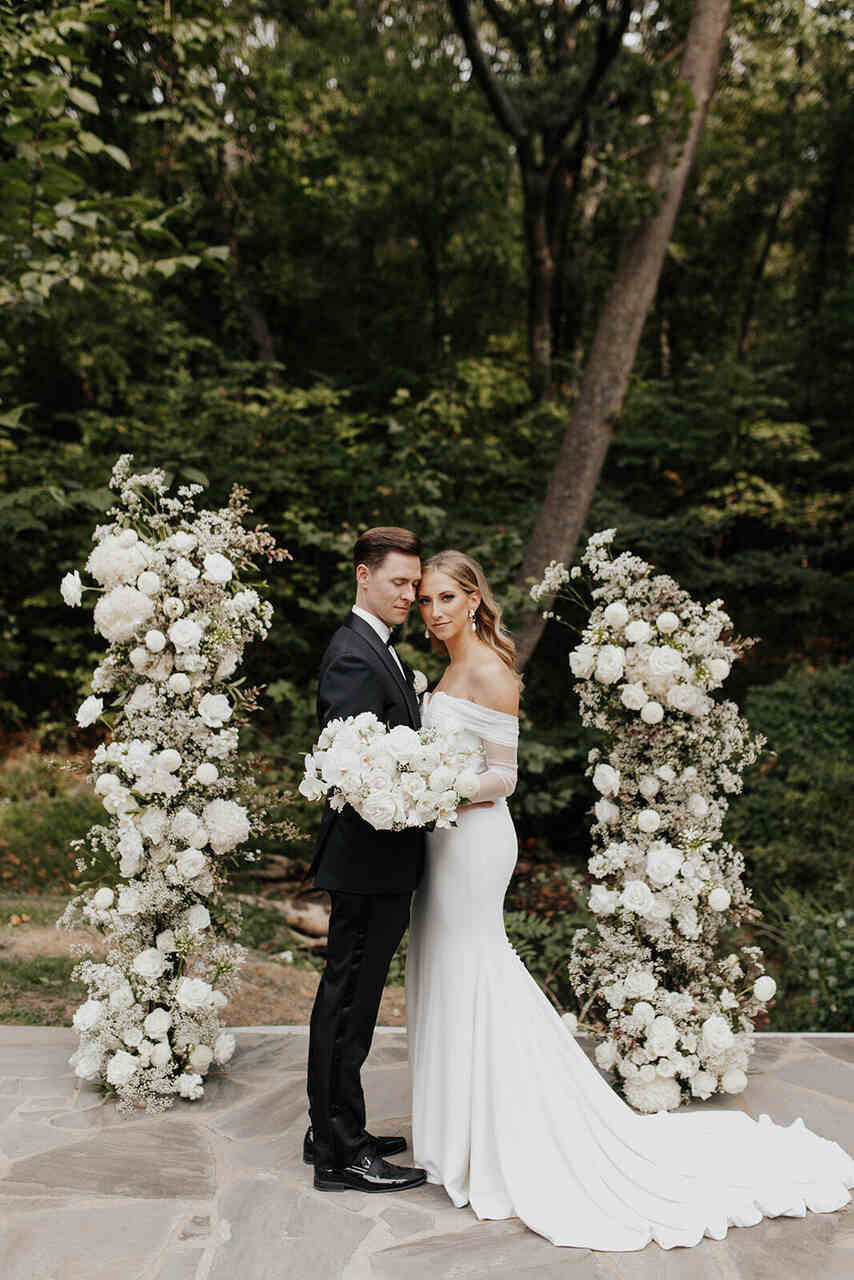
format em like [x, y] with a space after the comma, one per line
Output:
[382, 1146]
[369, 1172]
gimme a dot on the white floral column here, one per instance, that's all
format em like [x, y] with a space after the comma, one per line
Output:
[176, 608]
[658, 978]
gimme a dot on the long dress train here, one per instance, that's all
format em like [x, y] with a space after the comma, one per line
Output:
[508, 1113]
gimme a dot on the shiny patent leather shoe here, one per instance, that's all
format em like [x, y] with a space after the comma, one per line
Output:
[382, 1146]
[369, 1172]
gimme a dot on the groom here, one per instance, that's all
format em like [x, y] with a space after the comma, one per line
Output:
[369, 874]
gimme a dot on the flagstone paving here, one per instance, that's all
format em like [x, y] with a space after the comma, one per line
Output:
[216, 1189]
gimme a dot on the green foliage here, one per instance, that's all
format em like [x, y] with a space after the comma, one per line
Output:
[810, 941]
[34, 988]
[42, 809]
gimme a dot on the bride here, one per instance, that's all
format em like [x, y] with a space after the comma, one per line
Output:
[508, 1114]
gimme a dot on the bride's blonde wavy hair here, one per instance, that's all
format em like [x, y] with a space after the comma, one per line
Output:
[468, 575]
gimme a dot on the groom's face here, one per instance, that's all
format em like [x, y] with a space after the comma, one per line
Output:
[390, 588]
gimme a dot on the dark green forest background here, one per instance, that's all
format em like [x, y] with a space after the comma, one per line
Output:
[283, 245]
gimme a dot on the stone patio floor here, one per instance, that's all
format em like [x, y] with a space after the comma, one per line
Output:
[216, 1189]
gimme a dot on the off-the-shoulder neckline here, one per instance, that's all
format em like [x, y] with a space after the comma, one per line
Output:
[493, 711]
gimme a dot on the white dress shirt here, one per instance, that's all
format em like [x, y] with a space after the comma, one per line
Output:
[382, 630]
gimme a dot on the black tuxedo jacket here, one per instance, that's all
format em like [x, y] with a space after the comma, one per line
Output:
[357, 673]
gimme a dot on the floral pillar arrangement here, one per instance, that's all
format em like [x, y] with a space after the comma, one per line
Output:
[674, 1005]
[177, 605]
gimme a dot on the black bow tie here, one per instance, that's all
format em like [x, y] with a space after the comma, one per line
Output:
[390, 641]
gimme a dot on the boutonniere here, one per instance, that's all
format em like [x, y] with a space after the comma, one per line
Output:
[419, 681]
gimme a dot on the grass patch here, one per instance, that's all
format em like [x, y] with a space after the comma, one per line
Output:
[263, 929]
[38, 991]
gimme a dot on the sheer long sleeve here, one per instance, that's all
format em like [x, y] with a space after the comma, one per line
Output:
[499, 780]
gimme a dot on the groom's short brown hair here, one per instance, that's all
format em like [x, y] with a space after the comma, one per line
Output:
[374, 545]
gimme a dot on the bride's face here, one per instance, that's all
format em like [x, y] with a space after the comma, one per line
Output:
[444, 605]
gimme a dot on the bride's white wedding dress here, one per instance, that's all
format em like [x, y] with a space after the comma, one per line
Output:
[508, 1113]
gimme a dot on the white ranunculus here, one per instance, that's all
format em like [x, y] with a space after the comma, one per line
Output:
[734, 1081]
[228, 824]
[224, 1046]
[716, 1034]
[201, 1057]
[764, 988]
[215, 710]
[198, 918]
[178, 682]
[71, 588]
[206, 773]
[157, 1023]
[88, 1015]
[193, 994]
[616, 615]
[665, 661]
[149, 964]
[155, 640]
[640, 983]
[606, 1054]
[610, 664]
[185, 634]
[637, 897]
[667, 622]
[582, 660]
[121, 1067]
[379, 810]
[703, 1084]
[602, 901]
[169, 759]
[190, 1086]
[649, 786]
[662, 862]
[606, 812]
[698, 805]
[652, 713]
[606, 779]
[638, 632]
[190, 863]
[148, 582]
[161, 1054]
[113, 563]
[633, 696]
[649, 820]
[218, 568]
[88, 711]
[719, 899]
[103, 899]
[718, 669]
[661, 1036]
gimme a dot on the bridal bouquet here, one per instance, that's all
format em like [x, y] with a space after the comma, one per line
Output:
[393, 778]
[677, 1014]
[176, 609]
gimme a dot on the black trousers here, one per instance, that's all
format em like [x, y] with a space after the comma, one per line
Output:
[364, 932]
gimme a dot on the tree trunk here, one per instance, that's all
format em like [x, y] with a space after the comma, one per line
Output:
[612, 355]
[541, 273]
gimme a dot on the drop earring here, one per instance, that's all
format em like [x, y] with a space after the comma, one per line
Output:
[473, 623]
[426, 634]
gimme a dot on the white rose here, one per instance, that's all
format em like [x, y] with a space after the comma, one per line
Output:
[201, 1057]
[149, 964]
[121, 1067]
[88, 711]
[132, 1036]
[71, 588]
[734, 1081]
[198, 918]
[662, 862]
[103, 899]
[185, 634]
[582, 660]
[169, 759]
[684, 697]
[633, 696]
[228, 824]
[640, 983]
[719, 899]
[703, 1084]
[661, 1036]
[190, 863]
[442, 779]
[215, 709]
[161, 1054]
[206, 773]
[637, 897]
[643, 1013]
[182, 541]
[402, 743]
[764, 988]
[193, 994]
[179, 682]
[157, 1023]
[602, 901]
[638, 632]
[86, 1062]
[88, 1015]
[224, 1046]
[664, 661]
[419, 682]
[606, 780]
[606, 1054]
[190, 1086]
[649, 786]
[667, 622]
[606, 812]
[217, 568]
[610, 664]
[716, 1034]
[379, 810]
[227, 665]
[698, 805]
[155, 641]
[649, 820]
[616, 615]
[106, 782]
[652, 713]
[718, 669]
[467, 784]
[148, 582]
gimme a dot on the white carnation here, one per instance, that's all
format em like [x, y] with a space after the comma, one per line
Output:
[157, 1023]
[121, 612]
[218, 568]
[88, 1015]
[716, 1034]
[659, 1094]
[201, 1057]
[602, 901]
[606, 1054]
[190, 1086]
[224, 1046]
[71, 588]
[113, 563]
[121, 1067]
[88, 711]
[228, 824]
[214, 709]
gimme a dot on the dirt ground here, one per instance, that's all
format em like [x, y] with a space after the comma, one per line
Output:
[272, 993]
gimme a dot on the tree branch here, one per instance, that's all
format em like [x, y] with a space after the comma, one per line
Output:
[503, 109]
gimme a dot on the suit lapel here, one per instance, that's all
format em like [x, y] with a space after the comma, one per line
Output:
[367, 633]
